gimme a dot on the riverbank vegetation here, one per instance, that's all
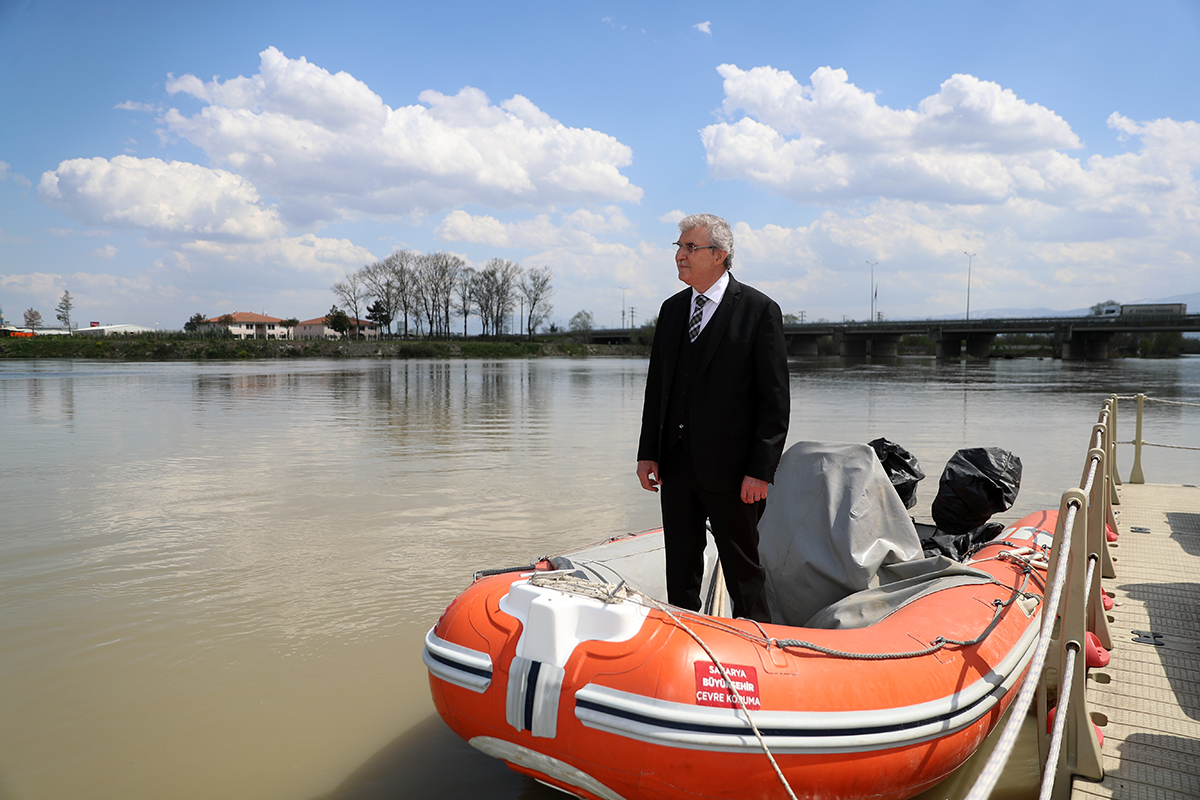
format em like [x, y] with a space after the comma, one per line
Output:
[183, 347]
[175, 346]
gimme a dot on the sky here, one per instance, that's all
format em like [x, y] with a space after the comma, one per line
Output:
[159, 160]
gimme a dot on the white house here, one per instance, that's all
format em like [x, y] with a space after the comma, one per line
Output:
[247, 325]
[317, 329]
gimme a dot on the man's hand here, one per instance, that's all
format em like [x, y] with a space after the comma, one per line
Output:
[753, 490]
[647, 473]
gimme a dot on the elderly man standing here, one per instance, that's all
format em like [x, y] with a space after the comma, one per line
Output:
[715, 417]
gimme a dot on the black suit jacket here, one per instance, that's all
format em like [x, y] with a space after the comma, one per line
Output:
[739, 401]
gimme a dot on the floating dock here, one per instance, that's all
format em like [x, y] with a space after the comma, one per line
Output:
[1147, 700]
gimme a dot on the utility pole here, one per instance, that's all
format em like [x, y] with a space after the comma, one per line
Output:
[873, 265]
[623, 290]
[969, 257]
[631, 310]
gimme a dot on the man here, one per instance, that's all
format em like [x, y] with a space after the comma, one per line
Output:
[715, 417]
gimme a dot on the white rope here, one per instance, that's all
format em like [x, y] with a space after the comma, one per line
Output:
[1060, 725]
[1158, 400]
[1168, 446]
[990, 774]
[733, 689]
[1087, 486]
[1172, 402]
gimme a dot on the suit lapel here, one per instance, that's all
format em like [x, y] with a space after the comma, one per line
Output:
[717, 326]
[670, 328]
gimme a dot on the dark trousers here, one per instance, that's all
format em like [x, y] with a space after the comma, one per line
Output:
[685, 507]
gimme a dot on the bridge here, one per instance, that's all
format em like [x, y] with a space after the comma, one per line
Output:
[1081, 338]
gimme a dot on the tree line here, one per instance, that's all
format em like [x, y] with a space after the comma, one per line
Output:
[426, 292]
[33, 317]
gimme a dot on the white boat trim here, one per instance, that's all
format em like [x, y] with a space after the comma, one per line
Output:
[696, 727]
[544, 764]
[453, 663]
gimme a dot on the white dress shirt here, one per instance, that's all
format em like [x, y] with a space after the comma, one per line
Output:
[713, 297]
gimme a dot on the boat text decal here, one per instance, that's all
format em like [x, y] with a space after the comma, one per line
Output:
[711, 689]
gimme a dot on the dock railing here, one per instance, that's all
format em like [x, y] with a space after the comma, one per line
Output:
[1135, 473]
[1073, 608]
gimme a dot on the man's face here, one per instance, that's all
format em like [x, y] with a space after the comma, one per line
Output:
[700, 269]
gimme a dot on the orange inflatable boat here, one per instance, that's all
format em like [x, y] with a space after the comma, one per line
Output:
[574, 672]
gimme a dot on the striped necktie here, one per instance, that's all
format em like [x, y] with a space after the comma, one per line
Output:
[697, 315]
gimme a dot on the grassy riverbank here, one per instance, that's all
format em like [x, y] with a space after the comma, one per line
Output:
[158, 348]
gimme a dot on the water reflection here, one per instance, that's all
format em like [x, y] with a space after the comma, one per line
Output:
[234, 563]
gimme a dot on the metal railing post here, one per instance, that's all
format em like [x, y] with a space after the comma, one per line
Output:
[1135, 473]
[1114, 473]
[1079, 753]
[1097, 546]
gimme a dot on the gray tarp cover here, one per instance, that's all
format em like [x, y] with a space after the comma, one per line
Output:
[837, 543]
[834, 526]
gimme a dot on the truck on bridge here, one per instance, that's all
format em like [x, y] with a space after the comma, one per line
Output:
[1153, 310]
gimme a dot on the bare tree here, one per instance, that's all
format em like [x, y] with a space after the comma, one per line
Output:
[496, 293]
[424, 304]
[352, 292]
[63, 311]
[437, 274]
[402, 279]
[464, 287]
[383, 282]
[536, 288]
[33, 320]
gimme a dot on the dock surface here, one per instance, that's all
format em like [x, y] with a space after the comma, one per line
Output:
[1147, 700]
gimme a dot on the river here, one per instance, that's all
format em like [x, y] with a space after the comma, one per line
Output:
[215, 577]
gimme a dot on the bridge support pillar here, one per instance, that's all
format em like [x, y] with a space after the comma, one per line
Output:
[801, 345]
[948, 346]
[979, 345]
[854, 347]
[885, 344]
[1079, 346]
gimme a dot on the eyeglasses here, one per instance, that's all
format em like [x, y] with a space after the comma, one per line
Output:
[691, 248]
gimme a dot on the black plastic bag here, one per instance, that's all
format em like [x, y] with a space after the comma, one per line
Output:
[977, 483]
[938, 543]
[902, 469]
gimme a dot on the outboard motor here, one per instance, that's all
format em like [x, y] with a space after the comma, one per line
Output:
[976, 483]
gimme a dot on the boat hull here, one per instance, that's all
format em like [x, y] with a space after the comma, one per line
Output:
[621, 697]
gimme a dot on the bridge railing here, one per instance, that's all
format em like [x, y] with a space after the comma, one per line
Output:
[1073, 610]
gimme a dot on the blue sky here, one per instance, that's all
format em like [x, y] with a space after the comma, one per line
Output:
[162, 159]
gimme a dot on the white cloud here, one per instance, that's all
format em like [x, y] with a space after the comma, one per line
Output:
[167, 199]
[39, 285]
[17, 177]
[831, 142]
[130, 105]
[543, 231]
[672, 217]
[67, 233]
[591, 254]
[704, 27]
[972, 168]
[106, 252]
[329, 147]
[308, 255]
[11, 239]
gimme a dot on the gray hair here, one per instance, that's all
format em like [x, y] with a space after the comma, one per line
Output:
[719, 232]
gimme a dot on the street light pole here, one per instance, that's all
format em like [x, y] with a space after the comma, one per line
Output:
[873, 265]
[969, 257]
